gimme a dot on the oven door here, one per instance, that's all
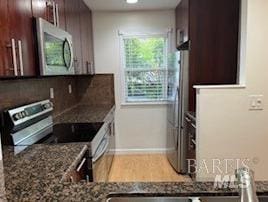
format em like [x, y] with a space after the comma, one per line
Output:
[100, 161]
[55, 49]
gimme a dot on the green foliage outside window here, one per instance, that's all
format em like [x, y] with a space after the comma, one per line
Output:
[145, 67]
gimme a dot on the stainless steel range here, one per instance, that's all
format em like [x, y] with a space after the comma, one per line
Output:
[33, 124]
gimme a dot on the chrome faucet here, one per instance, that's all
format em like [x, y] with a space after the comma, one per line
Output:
[246, 184]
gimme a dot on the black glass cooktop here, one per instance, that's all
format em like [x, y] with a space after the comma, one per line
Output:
[72, 132]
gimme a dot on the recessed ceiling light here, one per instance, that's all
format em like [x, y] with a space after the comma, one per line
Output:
[132, 1]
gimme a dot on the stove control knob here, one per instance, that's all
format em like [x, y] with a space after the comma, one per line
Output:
[23, 114]
[48, 105]
[20, 115]
[16, 117]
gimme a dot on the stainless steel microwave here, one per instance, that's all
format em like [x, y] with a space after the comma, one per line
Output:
[55, 49]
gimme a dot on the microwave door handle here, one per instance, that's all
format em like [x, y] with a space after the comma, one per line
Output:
[71, 53]
[101, 150]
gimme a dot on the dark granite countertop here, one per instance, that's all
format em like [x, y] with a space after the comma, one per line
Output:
[36, 173]
[31, 172]
[84, 113]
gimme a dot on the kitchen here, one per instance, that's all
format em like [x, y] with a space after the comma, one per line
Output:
[84, 118]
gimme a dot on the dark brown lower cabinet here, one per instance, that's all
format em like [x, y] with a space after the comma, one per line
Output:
[190, 130]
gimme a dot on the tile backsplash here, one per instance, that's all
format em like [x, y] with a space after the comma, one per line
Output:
[98, 89]
[24, 91]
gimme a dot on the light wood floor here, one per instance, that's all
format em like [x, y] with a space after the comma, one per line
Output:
[144, 168]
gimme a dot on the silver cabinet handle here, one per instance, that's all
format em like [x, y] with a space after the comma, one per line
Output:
[14, 56]
[21, 58]
[87, 66]
[57, 15]
[187, 119]
[54, 13]
[76, 65]
[81, 165]
[92, 70]
[193, 126]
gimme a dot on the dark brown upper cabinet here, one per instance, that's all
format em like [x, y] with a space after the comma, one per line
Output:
[18, 44]
[51, 10]
[212, 27]
[87, 39]
[79, 25]
[60, 12]
[72, 13]
[5, 56]
[17, 39]
[182, 22]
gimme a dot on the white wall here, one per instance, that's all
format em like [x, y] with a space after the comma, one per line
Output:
[227, 128]
[139, 128]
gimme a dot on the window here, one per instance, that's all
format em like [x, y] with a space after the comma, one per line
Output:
[144, 68]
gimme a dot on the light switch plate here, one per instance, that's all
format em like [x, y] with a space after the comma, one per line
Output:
[70, 89]
[51, 91]
[256, 102]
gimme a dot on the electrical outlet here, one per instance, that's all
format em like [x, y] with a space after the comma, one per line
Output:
[51, 93]
[70, 89]
[256, 102]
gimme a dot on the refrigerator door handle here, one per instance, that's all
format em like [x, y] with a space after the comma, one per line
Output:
[183, 151]
[176, 108]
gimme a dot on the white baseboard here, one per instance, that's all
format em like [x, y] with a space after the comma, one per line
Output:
[141, 151]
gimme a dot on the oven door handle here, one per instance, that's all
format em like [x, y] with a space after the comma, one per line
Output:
[101, 149]
[70, 47]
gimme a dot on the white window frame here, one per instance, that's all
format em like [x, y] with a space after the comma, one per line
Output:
[122, 69]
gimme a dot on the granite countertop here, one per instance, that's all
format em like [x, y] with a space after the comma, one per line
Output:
[31, 172]
[84, 113]
[36, 173]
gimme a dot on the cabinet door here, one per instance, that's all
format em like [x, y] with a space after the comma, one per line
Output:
[87, 38]
[5, 57]
[52, 11]
[214, 31]
[42, 9]
[72, 13]
[182, 21]
[21, 30]
[189, 130]
[61, 13]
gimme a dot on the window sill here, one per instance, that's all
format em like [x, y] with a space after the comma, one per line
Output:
[143, 103]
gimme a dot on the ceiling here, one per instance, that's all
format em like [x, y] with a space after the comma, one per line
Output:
[121, 5]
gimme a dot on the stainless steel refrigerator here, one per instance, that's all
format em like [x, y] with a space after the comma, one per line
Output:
[177, 107]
